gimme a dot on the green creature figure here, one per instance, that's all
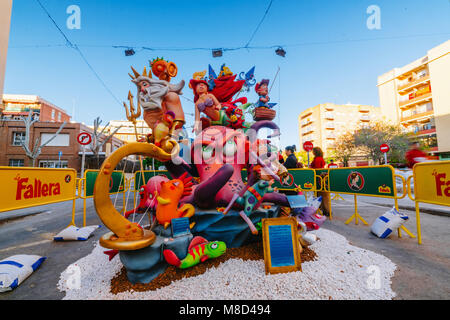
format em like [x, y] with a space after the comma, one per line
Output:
[199, 250]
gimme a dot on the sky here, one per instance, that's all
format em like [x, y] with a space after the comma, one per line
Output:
[332, 56]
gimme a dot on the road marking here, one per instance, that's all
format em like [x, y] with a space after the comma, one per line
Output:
[32, 244]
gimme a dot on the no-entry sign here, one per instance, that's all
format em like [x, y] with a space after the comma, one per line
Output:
[84, 138]
[308, 146]
[384, 148]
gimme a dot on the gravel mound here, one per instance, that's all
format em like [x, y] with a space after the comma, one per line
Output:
[339, 271]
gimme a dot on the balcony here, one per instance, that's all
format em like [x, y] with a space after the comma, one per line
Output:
[413, 84]
[330, 126]
[308, 113]
[329, 115]
[365, 118]
[304, 123]
[417, 116]
[308, 130]
[408, 103]
[364, 109]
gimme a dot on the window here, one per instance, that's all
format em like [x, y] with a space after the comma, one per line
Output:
[53, 164]
[59, 116]
[18, 138]
[16, 162]
[61, 140]
[53, 113]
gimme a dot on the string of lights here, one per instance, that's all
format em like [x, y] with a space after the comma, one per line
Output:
[137, 48]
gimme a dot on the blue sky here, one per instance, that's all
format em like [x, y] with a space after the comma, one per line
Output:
[325, 61]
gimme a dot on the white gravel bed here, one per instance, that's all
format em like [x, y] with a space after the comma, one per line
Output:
[341, 271]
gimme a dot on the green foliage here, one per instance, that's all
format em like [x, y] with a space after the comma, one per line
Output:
[369, 139]
[302, 156]
[148, 163]
[345, 148]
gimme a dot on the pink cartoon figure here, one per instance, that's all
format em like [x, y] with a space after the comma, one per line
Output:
[148, 194]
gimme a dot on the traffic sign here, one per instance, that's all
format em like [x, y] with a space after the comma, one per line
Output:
[308, 146]
[84, 138]
[384, 148]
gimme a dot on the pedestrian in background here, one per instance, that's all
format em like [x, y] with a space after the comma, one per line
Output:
[291, 160]
[319, 163]
[332, 165]
[414, 154]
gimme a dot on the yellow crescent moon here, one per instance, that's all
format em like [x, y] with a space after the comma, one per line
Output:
[124, 235]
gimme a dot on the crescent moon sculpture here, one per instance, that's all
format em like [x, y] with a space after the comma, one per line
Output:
[124, 234]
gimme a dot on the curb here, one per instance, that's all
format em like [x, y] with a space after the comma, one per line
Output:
[433, 212]
[20, 216]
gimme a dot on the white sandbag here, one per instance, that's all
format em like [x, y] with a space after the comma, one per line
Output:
[74, 233]
[14, 270]
[384, 225]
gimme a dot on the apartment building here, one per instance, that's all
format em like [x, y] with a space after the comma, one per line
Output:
[417, 96]
[19, 105]
[324, 123]
[127, 132]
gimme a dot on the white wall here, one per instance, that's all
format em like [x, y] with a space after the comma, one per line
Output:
[440, 86]
[5, 18]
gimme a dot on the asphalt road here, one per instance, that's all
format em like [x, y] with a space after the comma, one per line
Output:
[422, 270]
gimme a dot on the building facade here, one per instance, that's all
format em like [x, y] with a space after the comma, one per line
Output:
[127, 131]
[17, 106]
[324, 123]
[62, 152]
[417, 96]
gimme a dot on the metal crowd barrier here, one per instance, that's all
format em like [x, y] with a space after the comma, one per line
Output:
[431, 185]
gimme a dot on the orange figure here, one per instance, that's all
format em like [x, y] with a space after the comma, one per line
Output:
[169, 197]
[163, 127]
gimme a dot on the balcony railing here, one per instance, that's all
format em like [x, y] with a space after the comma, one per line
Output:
[417, 115]
[416, 100]
[329, 115]
[306, 122]
[364, 109]
[413, 84]
[308, 130]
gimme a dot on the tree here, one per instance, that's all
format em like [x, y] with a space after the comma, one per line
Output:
[369, 139]
[34, 153]
[97, 138]
[302, 156]
[345, 147]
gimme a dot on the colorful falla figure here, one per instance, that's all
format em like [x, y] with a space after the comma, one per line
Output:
[262, 89]
[204, 102]
[163, 127]
[199, 250]
[169, 197]
[157, 96]
[251, 200]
